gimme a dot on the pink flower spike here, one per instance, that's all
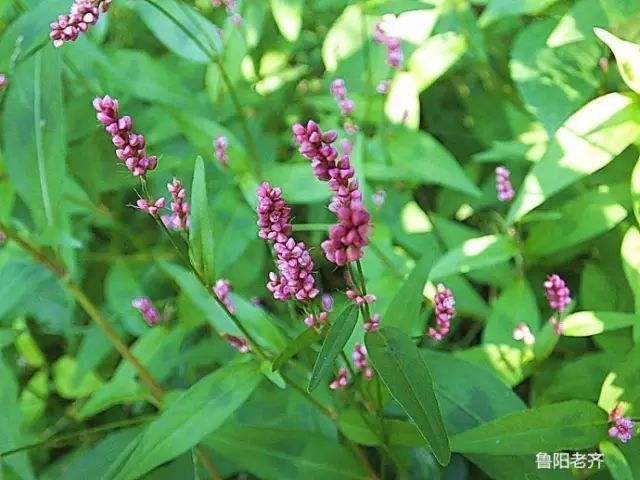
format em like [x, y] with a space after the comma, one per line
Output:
[503, 184]
[557, 292]
[273, 214]
[179, 218]
[146, 309]
[222, 289]
[360, 359]
[374, 324]
[622, 429]
[151, 208]
[239, 344]
[130, 147]
[341, 381]
[444, 310]
[83, 14]
[221, 144]
[558, 327]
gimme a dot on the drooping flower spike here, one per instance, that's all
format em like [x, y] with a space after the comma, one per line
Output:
[360, 359]
[623, 427]
[239, 344]
[83, 14]
[444, 311]
[348, 238]
[179, 218]
[342, 380]
[222, 289]
[146, 309]
[557, 292]
[130, 147]
[503, 184]
[293, 259]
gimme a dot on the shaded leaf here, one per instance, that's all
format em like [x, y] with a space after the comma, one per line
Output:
[308, 337]
[201, 248]
[627, 57]
[584, 324]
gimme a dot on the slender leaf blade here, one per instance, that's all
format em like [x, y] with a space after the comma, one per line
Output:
[201, 250]
[337, 337]
[306, 338]
[405, 373]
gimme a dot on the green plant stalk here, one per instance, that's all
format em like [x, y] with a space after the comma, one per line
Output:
[253, 151]
[90, 309]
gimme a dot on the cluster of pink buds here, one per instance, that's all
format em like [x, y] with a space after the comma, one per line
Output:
[622, 428]
[383, 87]
[83, 14]
[179, 218]
[148, 312]
[347, 239]
[557, 292]
[341, 381]
[221, 145]
[360, 359]
[313, 319]
[222, 289]
[327, 302]
[374, 324]
[503, 184]
[294, 261]
[395, 56]
[150, 206]
[230, 7]
[444, 310]
[339, 92]
[359, 298]
[3, 81]
[522, 333]
[558, 326]
[239, 344]
[129, 146]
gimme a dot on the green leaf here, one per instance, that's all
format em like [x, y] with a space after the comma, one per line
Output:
[180, 28]
[190, 417]
[383, 7]
[635, 190]
[585, 324]
[588, 141]
[201, 249]
[573, 425]
[66, 385]
[400, 432]
[298, 184]
[308, 337]
[18, 280]
[434, 58]
[622, 385]
[402, 369]
[630, 253]
[581, 219]
[288, 17]
[337, 337]
[497, 9]
[277, 452]
[404, 310]
[417, 157]
[342, 40]
[615, 461]
[627, 57]
[35, 139]
[553, 82]
[474, 254]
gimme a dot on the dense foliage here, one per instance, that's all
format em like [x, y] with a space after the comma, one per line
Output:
[295, 239]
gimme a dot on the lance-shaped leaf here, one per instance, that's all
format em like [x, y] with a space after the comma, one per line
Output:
[584, 324]
[627, 57]
[572, 425]
[337, 337]
[405, 373]
[200, 232]
[306, 338]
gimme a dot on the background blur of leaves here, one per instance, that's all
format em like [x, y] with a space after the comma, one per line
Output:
[526, 84]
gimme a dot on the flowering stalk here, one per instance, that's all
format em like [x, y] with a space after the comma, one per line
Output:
[179, 218]
[129, 146]
[147, 310]
[222, 289]
[395, 57]
[341, 381]
[347, 239]
[83, 14]
[444, 311]
[559, 296]
[239, 344]
[503, 184]
[360, 359]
